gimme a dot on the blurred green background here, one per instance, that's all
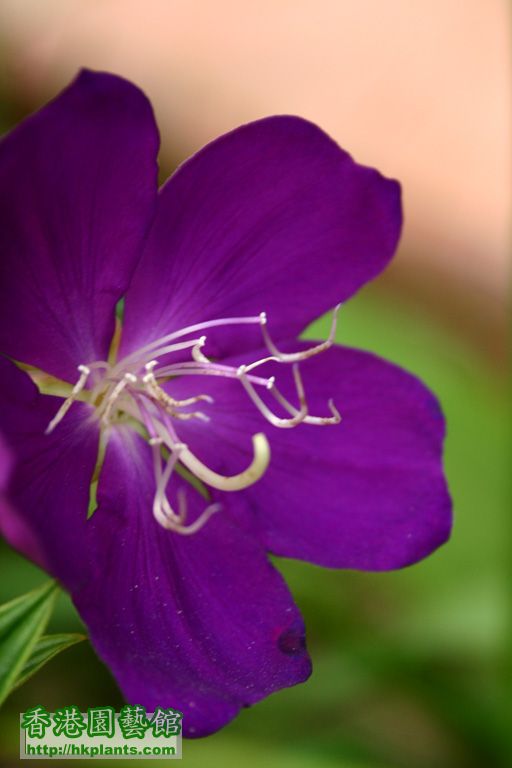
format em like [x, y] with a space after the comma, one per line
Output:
[412, 669]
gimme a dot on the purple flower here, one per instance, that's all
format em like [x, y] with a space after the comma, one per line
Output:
[210, 435]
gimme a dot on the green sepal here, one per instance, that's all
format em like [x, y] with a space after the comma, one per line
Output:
[45, 649]
[22, 622]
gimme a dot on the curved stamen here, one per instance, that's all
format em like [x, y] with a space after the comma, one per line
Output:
[198, 356]
[171, 348]
[255, 470]
[168, 402]
[295, 357]
[110, 401]
[257, 363]
[214, 369]
[276, 421]
[162, 510]
[140, 353]
[316, 420]
[187, 530]
[191, 400]
[85, 372]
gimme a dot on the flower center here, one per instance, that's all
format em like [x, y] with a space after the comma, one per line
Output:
[133, 391]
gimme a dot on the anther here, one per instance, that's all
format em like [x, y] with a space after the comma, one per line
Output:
[196, 351]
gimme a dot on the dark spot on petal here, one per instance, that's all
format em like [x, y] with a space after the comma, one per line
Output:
[434, 409]
[292, 641]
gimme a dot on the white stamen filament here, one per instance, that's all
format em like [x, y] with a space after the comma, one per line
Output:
[316, 420]
[198, 356]
[295, 357]
[162, 510]
[255, 470]
[128, 378]
[85, 372]
[134, 356]
[214, 369]
[276, 421]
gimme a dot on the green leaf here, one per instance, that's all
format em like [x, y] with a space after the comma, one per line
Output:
[45, 649]
[22, 622]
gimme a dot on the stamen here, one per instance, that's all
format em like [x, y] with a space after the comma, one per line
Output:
[66, 405]
[171, 348]
[276, 421]
[155, 391]
[213, 369]
[326, 420]
[190, 415]
[257, 363]
[192, 400]
[140, 353]
[187, 530]
[162, 510]
[196, 351]
[128, 378]
[316, 420]
[255, 470]
[295, 357]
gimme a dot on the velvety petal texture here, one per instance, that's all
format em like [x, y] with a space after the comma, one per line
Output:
[48, 491]
[368, 493]
[78, 183]
[5, 471]
[202, 623]
[5, 465]
[271, 217]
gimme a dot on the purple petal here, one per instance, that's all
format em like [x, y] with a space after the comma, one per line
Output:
[5, 472]
[272, 217]
[368, 493]
[49, 487]
[201, 623]
[5, 465]
[77, 193]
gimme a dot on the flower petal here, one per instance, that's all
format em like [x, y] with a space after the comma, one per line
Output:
[5, 465]
[201, 623]
[368, 493]
[77, 192]
[5, 472]
[272, 217]
[48, 491]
